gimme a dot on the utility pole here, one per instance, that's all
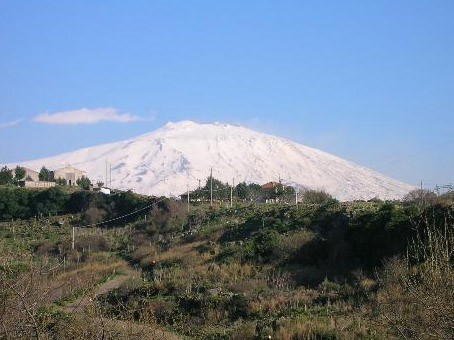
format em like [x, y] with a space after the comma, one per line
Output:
[188, 196]
[73, 238]
[422, 195]
[106, 183]
[110, 176]
[296, 197]
[211, 188]
[231, 193]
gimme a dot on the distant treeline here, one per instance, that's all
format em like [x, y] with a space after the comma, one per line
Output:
[21, 203]
[242, 191]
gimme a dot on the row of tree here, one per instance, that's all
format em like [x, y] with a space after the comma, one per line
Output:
[243, 191]
[19, 175]
[7, 176]
[26, 203]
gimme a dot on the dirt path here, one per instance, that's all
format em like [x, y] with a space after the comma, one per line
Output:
[120, 328]
[83, 302]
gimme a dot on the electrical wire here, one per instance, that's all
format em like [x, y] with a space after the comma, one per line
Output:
[123, 216]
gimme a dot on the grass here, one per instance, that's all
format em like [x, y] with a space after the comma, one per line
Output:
[247, 272]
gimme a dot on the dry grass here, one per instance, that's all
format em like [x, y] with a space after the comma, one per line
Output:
[417, 295]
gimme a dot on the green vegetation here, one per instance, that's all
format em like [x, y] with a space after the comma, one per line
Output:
[241, 192]
[28, 203]
[45, 175]
[222, 191]
[84, 182]
[19, 174]
[316, 197]
[322, 270]
[6, 176]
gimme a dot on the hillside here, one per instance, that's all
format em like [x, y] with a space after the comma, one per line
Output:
[333, 271]
[165, 161]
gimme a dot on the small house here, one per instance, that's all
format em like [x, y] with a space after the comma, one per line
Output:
[70, 174]
[30, 175]
[271, 191]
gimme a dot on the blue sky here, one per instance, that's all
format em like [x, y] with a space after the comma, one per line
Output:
[370, 81]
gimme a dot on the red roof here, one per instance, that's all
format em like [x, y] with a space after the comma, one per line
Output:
[271, 185]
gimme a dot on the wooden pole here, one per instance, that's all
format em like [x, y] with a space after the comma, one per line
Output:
[231, 193]
[110, 175]
[211, 188]
[73, 238]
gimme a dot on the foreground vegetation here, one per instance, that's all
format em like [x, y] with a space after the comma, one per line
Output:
[324, 270]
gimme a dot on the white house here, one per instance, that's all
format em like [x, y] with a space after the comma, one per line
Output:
[70, 174]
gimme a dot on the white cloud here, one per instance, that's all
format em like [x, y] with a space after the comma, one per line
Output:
[9, 124]
[86, 116]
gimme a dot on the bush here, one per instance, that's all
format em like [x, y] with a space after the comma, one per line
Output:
[95, 242]
[316, 197]
[420, 198]
[265, 244]
[244, 331]
[169, 216]
[93, 216]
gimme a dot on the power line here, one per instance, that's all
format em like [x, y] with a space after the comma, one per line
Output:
[123, 216]
[400, 159]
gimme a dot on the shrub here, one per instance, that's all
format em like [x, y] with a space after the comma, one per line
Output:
[244, 331]
[238, 307]
[93, 216]
[266, 242]
[420, 198]
[95, 242]
[316, 197]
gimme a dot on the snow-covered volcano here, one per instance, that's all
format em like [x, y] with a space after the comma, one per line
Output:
[165, 161]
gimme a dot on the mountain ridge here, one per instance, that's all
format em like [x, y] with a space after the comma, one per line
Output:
[166, 160]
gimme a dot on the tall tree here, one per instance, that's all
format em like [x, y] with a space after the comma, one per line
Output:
[84, 182]
[242, 190]
[19, 174]
[6, 176]
[45, 174]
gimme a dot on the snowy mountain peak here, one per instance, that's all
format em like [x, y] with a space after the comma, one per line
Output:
[189, 124]
[165, 161]
[179, 125]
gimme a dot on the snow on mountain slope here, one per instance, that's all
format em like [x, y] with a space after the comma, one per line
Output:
[164, 161]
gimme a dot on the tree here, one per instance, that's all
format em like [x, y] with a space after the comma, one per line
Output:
[84, 182]
[248, 191]
[288, 190]
[255, 190]
[220, 190]
[242, 190]
[19, 174]
[6, 176]
[45, 174]
[420, 198]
